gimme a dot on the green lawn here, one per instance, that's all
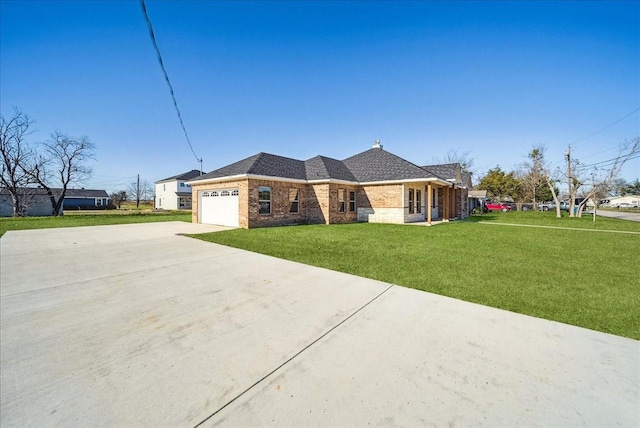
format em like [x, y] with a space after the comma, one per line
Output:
[76, 220]
[580, 276]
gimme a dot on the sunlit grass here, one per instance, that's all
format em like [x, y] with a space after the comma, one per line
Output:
[580, 276]
[23, 223]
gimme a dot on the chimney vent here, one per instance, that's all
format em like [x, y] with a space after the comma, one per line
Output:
[377, 145]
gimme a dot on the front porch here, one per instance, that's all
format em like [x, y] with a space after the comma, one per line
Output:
[439, 203]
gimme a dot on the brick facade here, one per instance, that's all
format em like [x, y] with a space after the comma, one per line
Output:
[319, 202]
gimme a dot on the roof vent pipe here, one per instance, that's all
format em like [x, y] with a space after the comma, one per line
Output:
[377, 145]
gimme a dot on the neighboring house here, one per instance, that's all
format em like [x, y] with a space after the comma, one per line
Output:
[174, 193]
[36, 202]
[628, 200]
[85, 199]
[372, 186]
[477, 198]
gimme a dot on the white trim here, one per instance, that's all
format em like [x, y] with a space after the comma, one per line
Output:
[433, 180]
[248, 176]
[217, 179]
[412, 180]
[334, 181]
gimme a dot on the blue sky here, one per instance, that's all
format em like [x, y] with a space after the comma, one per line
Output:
[300, 79]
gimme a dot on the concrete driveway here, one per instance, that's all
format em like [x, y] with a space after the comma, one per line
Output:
[134, 325]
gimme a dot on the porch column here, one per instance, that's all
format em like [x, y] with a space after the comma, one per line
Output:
[429, 202]
[445, 205]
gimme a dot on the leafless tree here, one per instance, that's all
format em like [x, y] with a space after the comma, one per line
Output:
[532, 175]
[458, 156]
[139, 190]
[63, 161]
[16, 154]
[536, 173]
[117, 198]
[598, 178]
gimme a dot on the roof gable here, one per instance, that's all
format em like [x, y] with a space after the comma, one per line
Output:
[323, 168]
[262, 164]
[376, 164]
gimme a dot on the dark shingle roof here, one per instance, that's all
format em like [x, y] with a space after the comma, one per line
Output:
[377, 164]
[262, 164]
[85, 193]
[184, 176]
[322, 168]
[445, 170]
[71, 193]
[369, 166]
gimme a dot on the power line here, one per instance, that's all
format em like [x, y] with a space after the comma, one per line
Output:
[597, 132]
[606, 127]
[166, 78]
[609, 162]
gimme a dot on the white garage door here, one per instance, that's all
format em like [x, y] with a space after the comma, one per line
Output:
[219, 207]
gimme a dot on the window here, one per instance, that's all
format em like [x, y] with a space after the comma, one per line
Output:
[214, 193]
[342, 196]
[206, 194]
[264, 200]
[294, 200]
[98, 202]
[181, 184]
[418, 201]
[234, 193]
[410, 201]
[164, 187]
[188, 185]
[225, 193]
[352, 200]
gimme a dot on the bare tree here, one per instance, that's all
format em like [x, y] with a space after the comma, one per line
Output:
[533, 176]
[458, 156]
[537, 174]
[16, 153]
[139, 190]
[63, 161]
[117, 198]
[600, 178]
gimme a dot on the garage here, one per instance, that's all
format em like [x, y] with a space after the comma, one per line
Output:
[219, 207]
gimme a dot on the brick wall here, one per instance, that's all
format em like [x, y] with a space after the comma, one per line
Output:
[280, 205]
[381, 203]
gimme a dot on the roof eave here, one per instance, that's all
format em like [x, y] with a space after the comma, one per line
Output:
[410, 180]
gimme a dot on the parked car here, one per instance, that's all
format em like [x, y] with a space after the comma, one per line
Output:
[546, 206]
[626, 205]
[497, 206]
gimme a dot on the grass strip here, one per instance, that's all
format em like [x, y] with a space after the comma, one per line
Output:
[25, 223]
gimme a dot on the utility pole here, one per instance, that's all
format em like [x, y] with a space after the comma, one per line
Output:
[571, 198]
[138, 192]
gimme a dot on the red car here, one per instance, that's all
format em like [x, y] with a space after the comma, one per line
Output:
[497, 206]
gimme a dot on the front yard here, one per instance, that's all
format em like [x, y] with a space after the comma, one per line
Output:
[579, 273]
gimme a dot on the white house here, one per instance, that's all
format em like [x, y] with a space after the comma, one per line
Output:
[174, 193]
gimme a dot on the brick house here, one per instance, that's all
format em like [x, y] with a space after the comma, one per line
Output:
[372, 186]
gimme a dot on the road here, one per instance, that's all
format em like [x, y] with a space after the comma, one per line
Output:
[623, 215]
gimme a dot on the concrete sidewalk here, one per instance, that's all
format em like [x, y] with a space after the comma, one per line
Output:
[133, 325]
